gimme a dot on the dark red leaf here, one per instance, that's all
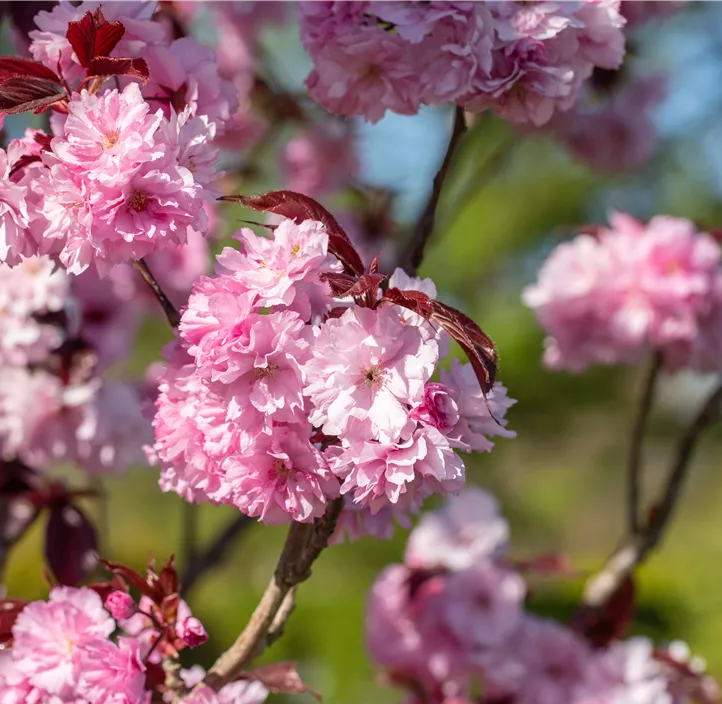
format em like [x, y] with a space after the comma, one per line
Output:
[280, 678]
[15, 67]
[132, 578]
[9, 610]
[344, 285]
[601, 625]
[477, 345]
[299, 208]
[24, 94]
[105, 67]
[103, 589]
[169, 578]
[374, 268]
[94, 36]
[71, 543]
[154, 677]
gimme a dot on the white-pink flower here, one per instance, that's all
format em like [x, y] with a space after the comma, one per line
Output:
[16, 241]
[368, 370]
[282, 270]
[377, 474]
[108, 135]
[281, 477]
[478, 418]
[466, 531]
[110, 673]
[48, 638]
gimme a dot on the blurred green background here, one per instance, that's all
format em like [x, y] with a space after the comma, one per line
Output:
[560, 482]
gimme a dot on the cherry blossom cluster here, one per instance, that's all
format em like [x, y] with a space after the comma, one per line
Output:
[54, 404]
[611, 296]
[451, 621]
[522, 60]
[129, 168]
[279, 396]
[94, 645]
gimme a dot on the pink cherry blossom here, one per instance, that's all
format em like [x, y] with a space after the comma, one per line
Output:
[16, 241]
[49, 637]
[31, 293]
[364, 72]
[479, 418]
[377, 473]
[185, 73]
[466, 531]
[112, 673]
[274, 269]
[358, 521]
[370, 367]
[108, 135]
[281, 477]
[626, 672]
[634, 287]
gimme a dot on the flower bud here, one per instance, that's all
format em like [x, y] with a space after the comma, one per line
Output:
[438, 408]
[190, 630]
[121, 605]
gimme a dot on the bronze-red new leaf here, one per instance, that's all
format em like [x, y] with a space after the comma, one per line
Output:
[94, 36]
[477, 345]
[15, 67]
[27, 93]
[71, 543]
[298, 207]
[9, 610]
[107, 67]
[346, 286]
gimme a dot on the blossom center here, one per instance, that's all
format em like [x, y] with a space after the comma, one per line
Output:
[373, 376]
[266, 372]
[138, 201]
[110, 140]
[281, 470]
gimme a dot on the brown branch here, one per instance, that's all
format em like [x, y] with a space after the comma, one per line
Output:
[635, 550]
[413, 254]
[304, 544]
[634, 462]
[214, 554]
[168, 308]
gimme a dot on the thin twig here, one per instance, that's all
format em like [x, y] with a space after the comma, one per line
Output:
[634, 463]
[214, 554]
[413, 254]
[168, 308]
[304, 544]
[635, 550]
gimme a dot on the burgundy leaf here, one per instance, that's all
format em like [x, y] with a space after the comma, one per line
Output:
[132, 578]
[477, 345]
[280, 678]
[601, 625]
[9, 610]
[169, 578]
[103, 589]
[71, 543]
[374, 268]
[105, 67]
[24, 94]
[94, 36]
[299, 208]
[338, 283]
[14, 67]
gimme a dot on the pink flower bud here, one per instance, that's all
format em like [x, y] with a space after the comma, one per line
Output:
[190, 630]
[438, 409]
[121, 605]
